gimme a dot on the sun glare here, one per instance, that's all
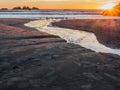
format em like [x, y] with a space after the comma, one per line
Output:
[108, 6]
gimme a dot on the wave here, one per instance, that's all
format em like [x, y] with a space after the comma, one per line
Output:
[50, 12]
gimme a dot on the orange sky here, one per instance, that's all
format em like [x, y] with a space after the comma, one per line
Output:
[57, 4]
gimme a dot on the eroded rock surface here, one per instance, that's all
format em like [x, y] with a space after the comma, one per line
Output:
[52, 64]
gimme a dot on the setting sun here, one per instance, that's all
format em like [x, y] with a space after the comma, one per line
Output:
[108, 6]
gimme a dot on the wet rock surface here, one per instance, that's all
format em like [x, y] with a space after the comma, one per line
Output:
[28, 64]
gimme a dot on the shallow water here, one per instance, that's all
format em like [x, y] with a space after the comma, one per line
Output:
[85, 39]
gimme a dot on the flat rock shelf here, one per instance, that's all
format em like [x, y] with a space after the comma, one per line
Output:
[34, 60]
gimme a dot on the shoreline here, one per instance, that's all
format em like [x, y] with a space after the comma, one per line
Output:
[30, 59]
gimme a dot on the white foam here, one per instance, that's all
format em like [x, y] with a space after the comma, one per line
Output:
[85, 39]
[38, 16]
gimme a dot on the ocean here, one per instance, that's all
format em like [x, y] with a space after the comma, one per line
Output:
[59, 14]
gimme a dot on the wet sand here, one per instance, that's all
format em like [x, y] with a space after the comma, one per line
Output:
[107, 31]
[33, 60]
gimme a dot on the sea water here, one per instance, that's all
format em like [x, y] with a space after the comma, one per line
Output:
[59, 14]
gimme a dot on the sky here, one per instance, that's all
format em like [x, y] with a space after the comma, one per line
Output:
[57, 4]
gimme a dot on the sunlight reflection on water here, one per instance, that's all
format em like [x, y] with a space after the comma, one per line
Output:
[85, 39]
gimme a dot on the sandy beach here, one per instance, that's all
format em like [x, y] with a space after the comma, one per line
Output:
[34, 60]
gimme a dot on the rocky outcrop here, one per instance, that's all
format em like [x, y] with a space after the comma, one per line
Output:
[25, 8]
